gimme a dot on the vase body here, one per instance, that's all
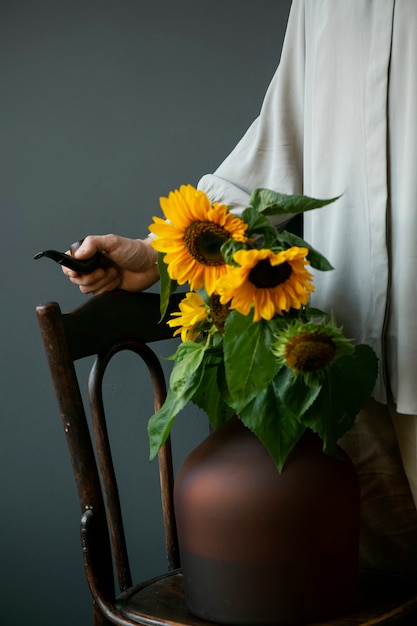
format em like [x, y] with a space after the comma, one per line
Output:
[262, 547]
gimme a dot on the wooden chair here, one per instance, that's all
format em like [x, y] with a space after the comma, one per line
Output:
[104, 326]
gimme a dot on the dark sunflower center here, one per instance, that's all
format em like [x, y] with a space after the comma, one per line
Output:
[203, 241]
[310, 352]
[218, 311]
[264, 275]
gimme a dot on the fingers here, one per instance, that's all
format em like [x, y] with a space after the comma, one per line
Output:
[102, 279]
[98, 288]
[87, 249]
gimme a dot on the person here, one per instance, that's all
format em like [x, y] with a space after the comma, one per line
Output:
[338, 118]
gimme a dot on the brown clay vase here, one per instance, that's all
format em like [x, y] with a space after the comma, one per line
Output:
[262, 547]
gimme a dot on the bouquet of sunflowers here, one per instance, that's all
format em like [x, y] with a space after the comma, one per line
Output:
[251, 346]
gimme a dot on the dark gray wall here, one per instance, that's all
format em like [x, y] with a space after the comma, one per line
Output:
[104, 106]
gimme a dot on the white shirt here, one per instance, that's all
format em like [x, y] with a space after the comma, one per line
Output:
[340, 118]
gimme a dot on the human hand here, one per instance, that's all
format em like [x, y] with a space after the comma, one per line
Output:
[130, 264]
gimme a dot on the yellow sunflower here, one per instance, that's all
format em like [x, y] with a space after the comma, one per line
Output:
[191, 317]
[271, 282]
[191, 237]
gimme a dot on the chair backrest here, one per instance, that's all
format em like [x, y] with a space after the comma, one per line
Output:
[104, 326]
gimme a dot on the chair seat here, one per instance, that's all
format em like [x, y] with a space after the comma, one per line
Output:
[383, 600]
[161, 599]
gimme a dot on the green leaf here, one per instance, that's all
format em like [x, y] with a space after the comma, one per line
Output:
[160, 423]
[211, 393]
[185, 380]
[349, 382]
[258, 224]
[249, 362]
[273, 203]
[188, 359]
[317, 260]
[296, 396]
[274, 426]
[229, 248]
[312, 312]
[168, 286]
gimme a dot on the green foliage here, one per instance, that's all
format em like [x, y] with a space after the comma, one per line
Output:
[270, 202]
[345, 388]
[272, 423]
[212, 393]
[168, 286]
[259, 224]
[317, 260]
[249, 362]
[184, 382]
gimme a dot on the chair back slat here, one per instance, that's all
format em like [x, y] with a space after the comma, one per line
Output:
[107, 472]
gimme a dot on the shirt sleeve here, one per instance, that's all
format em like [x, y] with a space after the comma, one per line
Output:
[270, 154]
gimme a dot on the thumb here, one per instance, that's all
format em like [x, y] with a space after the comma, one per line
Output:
[88, 246]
